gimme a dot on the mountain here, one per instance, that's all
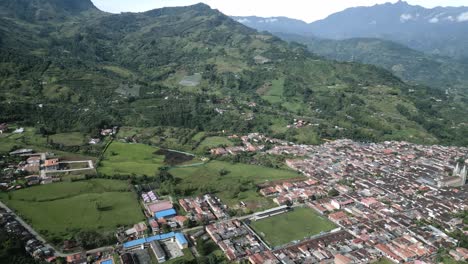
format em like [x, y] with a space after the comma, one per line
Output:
[40, 10]
[412, 66]
[276, 24]
[194, 67]
[440, 30]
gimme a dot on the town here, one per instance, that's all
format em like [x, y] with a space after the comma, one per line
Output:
[357, 203]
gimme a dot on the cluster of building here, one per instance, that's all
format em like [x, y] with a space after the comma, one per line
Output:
[252, 142]
[288, 193]
[33, 246]
[235, 239]
[393, 199]
[205, 208]
[36, 168]
[298, 123]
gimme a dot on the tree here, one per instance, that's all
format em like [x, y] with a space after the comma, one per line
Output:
[333, 192]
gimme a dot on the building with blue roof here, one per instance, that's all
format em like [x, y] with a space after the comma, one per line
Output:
[165, 214]
[179, 238]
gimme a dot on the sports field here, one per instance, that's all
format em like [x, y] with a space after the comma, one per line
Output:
[296, 225]
[130, 159]
[58, 210]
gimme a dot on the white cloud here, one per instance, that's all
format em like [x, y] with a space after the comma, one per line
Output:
[434, 20]
[271, 20]
[450, 18]
[405, 17]
[463, 17]
[243, 20]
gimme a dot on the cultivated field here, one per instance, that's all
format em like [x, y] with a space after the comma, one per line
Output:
[129, 159]
[58, 210]
[296, 225]
[238, 183]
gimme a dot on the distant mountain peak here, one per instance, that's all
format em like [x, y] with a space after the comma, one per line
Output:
[45, 9]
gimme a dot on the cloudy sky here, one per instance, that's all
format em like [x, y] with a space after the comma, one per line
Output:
[307, 10]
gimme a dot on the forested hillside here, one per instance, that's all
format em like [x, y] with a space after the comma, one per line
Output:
[412, 66]
[77, 68]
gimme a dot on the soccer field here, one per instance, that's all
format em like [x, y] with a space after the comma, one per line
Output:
[295, 225]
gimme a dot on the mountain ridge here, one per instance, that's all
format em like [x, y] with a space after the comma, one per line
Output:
[195, 67]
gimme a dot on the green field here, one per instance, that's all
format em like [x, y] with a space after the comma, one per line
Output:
[130, 159]
[239, 184]
[384, 261]
[57, 210]
[212, 142]
[296, 225]
[68, 139]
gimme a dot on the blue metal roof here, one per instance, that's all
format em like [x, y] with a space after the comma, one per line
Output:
[134, 243]
[181, 238]
[109, 261]
[165, 213]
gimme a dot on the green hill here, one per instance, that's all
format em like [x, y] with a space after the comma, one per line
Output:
[194, 67]
[412, 66]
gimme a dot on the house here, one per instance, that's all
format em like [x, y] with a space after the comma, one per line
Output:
[94, 141]
[340, 259]
[79, 258]
[34, 160]
[180, 220]
[158, 206]
[165, 213]
[181, 240]
[51, 164]
[18, 131]
[158, 251]
[140, 229]
[33, 180]
[3, 128]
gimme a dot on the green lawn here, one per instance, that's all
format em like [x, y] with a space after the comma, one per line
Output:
[239, 184]
[69, 139]
[127, 159]
[296, 225]
[212, 142]
[56, 210]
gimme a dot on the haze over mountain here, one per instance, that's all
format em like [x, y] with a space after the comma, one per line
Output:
[67, 66]
[440, 30]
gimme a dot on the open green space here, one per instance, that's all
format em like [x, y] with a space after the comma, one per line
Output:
[68, 139]
[296, 225]
[384, 261]
[231, 182]
[212, 142]
[130, 159]
[58, 210]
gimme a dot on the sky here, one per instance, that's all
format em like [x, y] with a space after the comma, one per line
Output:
[306, 10]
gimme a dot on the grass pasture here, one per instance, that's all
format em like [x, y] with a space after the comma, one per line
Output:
[56, 210]
[128, 159]
[239, 184]
[213, 142]
[69, 139]
[295, 225]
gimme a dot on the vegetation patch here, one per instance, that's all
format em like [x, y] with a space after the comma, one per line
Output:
[60, 210]
[174, 157]
[68, 139]
[233, 183]
[130, 159]
[299, 224]
[213, 142]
